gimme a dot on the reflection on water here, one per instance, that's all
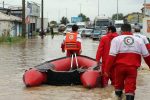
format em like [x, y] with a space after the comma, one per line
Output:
[15, 58]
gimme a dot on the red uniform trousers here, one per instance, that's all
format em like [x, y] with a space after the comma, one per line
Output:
[104, 81]
[112, 77]
[125, 78]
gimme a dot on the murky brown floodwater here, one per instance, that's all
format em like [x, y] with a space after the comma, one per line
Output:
[15, 58]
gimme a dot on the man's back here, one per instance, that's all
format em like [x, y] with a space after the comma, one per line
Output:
[72, 40]
[128, 49]
[104, 46]
[143, 37]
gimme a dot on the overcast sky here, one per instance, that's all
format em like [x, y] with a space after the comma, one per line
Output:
[55, 9]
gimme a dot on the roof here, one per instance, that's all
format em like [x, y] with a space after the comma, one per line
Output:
[133, 13]
[5, 17]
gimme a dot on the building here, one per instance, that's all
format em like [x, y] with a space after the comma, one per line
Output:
[146, 20]
[10, 25]
[16, 11]
[33, 13]
[146, 10]
[133, 18]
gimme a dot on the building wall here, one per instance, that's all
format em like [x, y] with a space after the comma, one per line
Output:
[146, 26]
[9, 28]
[134, 18]
[34, 14]
[34, 9]
[5, 27]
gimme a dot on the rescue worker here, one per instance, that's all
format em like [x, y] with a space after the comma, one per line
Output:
[137, 33]
[72, 42]
[103, 52]
[125, 57]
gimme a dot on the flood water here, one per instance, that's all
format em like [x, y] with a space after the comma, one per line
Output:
[16, 58]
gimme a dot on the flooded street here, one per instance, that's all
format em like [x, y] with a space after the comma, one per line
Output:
[16, 58]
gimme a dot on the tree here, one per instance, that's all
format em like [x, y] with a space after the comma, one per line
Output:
[64, 20]
[53, 23]
[84, 18]
[120, 16]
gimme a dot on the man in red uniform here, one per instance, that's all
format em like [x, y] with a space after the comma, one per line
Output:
[72, 42]
[137, 33]
[125, 57]
[103, 52]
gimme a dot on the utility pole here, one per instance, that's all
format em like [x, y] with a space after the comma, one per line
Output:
[98, 7]
[3, 4]
[138, 20]
[80, 8]
[144, 8]
[42, 23]
[66, 16]
[117, 9]
[58, 15]
[23, 19]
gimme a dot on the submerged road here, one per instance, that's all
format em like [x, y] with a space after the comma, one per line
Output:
[16, 58]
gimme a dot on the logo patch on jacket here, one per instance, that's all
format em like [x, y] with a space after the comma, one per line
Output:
[128, 40]
[71, 37]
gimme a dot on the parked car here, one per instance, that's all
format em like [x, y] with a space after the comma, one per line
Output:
[96, 34]
[103, 33]
[80, 31]
[68, 28]
[86, 32]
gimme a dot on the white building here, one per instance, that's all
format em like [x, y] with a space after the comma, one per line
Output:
[33, 11]
[10, 25]
[32, 15]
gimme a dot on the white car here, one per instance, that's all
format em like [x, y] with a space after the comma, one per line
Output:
[86, 32]
[68, 28]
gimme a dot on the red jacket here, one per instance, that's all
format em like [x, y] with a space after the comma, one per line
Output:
[148, 47]
[127, 50]
[104, 46]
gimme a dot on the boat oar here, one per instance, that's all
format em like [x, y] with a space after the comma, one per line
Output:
[74, 56]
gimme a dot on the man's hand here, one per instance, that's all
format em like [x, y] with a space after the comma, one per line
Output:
[98, 63]
[80, 51]
[106, 74]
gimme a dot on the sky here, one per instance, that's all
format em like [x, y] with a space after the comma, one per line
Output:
[56, 9]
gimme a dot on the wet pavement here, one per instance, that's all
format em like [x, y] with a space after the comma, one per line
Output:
[16, 58]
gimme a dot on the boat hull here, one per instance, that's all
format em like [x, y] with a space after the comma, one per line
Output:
[33, 77]
[90, 78]
[60, 72]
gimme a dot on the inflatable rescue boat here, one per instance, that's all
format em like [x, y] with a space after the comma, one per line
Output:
[65, 71]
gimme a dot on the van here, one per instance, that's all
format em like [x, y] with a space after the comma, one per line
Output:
[118, 24]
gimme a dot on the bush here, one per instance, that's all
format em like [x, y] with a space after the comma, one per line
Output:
[11, 39]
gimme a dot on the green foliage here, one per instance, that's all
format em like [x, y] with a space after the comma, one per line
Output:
[34, 33]
[120, 16]
[64, 20]
[53, 24]
[84, 17]
[9, 39]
